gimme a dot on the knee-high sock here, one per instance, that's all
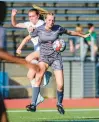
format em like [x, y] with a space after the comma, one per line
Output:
[60, 96]
[34, 61]
[36, 91]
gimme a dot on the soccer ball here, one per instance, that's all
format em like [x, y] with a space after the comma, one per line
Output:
[59, 45]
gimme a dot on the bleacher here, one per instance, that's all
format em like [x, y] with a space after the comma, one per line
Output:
[68, 14]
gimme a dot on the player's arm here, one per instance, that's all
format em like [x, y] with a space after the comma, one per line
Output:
[74, 33]
[25, 40]
[13, 20]
[71, 45]
[6, 56]
[32, 34]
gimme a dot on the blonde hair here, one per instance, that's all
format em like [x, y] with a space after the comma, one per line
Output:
[50, 13]
[41, 10]
[79, 28]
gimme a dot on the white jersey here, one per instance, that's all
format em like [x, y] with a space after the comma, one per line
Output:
[29, 25]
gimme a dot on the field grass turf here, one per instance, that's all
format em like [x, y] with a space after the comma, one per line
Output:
[71, 115]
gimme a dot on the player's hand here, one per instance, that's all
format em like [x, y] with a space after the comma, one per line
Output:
[14, 12]
[86, 35]
[18, 51]
[31, 29]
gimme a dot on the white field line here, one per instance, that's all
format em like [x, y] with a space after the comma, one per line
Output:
[68, 110]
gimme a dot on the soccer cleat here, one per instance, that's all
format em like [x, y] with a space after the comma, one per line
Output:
[40, 99]
[31, 108]
[47, 76]
[60, 109]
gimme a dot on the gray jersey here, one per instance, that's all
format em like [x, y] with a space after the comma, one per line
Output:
[46, 38]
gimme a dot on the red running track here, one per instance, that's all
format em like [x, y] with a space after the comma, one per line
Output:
[51, 103]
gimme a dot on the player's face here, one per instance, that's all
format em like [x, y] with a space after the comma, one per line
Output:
[33, 17]
[92, 28]
[50, 19]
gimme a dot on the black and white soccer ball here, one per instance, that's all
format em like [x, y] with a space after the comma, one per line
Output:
[59, 45]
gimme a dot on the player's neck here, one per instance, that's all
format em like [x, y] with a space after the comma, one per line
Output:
[47, 28]
[34, 23]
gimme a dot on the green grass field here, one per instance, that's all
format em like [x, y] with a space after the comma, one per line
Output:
[71, 115]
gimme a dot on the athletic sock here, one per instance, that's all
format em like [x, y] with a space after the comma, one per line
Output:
[36, 91]
[60, 97]
[34, 61]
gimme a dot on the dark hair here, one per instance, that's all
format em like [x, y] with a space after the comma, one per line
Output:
[90, 25]
[78, 24]
[34, 10]
[3, 10]
[37, 13]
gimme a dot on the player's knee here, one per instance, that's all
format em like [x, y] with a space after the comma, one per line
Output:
[39, 79]
[28, 59]
[30, 76]
[60, 87]
[96, 48]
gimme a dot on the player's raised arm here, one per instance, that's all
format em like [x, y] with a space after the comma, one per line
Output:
[13, 20]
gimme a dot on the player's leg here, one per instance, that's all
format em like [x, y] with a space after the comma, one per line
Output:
[59, 76]
[85, 49]
[60, 91]
[72, 47]
[77, 46]
[46, 78]
[32, 56]
[31, 74]
[36, 88]
[95, 48]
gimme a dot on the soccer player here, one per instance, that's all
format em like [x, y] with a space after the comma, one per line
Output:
[33, 23]
[94, 36]
[87, 41]
[48, 33]
[75, 42]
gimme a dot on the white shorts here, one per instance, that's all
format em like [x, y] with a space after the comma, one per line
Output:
[36, 47]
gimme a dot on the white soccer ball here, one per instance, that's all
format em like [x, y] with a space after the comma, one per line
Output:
[59, 45]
